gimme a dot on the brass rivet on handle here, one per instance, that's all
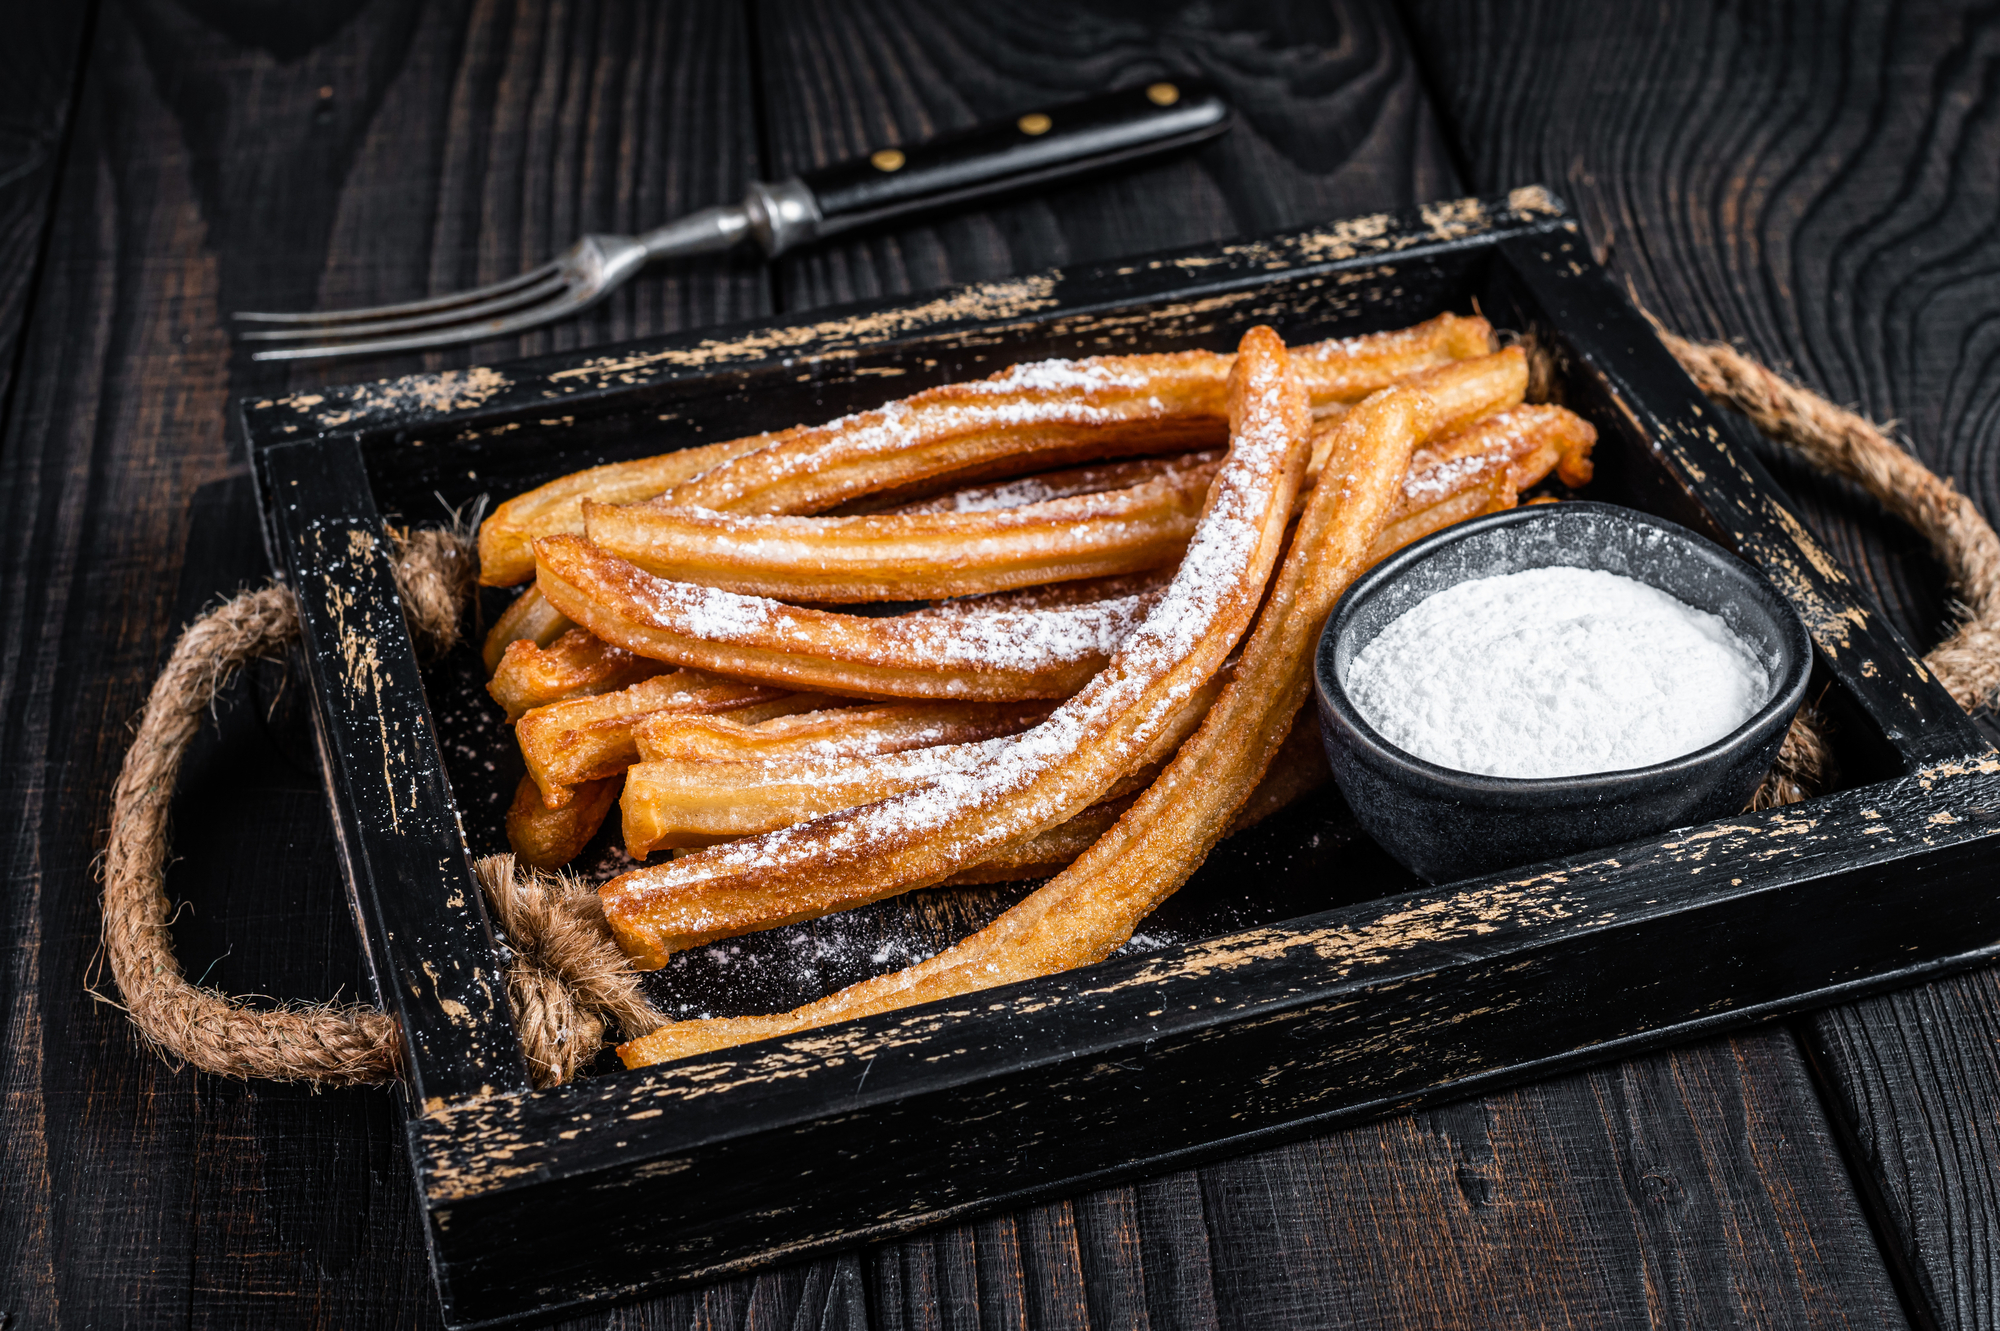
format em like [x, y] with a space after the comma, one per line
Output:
[888, 159]
[1163, 94]
[1034, 123]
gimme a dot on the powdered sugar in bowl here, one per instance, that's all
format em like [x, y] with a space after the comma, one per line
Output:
[1554, 679]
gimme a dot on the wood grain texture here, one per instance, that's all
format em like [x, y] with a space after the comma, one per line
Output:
[1682, 1190]
[1330, 121]
[225, 157]
[1816, 181]
[39, 67]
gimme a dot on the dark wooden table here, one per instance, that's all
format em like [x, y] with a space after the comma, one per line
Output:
[1818, 179]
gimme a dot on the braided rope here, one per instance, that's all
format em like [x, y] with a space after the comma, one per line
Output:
[567, 981]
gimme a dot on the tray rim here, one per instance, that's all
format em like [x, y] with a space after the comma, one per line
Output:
[327, 435]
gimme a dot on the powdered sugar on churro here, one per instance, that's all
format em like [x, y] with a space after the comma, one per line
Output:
[1435, 480]
[1217, 576]
[1041, 489]
[1004, 640]
[1054, 393]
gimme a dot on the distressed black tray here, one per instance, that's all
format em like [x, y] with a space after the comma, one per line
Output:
[1309, 983]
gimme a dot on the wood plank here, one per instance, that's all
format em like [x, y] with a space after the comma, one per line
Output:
[39, 67]
[1838, 221]
[847, 78]
[1682, 1190]
[229, 157]
[1330, 121]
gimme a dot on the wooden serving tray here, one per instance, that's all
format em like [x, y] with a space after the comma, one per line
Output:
[1300, 980]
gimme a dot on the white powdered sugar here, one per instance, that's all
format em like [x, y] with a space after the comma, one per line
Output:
[1051, 392]
[1555, 672]
[1049, 486]
[1062, 376]
[908, 765]
[1428, 485]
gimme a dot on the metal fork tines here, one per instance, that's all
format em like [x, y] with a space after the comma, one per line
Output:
[571, 282]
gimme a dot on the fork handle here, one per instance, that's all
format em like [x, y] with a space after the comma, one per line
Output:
[1032, 149]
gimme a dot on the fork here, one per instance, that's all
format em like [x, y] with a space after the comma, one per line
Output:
[1033, 149]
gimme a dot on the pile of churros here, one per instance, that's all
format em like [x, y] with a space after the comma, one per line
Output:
[1119, 568]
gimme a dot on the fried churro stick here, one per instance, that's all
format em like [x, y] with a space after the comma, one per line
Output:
[999, 656]
[677, 803]
[528, 619]
[1127, 404]
[576, 665]
[1335, 371]
[507, 537]
[588, 739]
[1463, 390]
[1091, 908]
[550, 838]
[673, 804]
[845, 732]
[1062, 766]
[1536, 439]
[1483, 467]
[1042, 414]
[909, 557]
[1468, 493]
[1043, 486]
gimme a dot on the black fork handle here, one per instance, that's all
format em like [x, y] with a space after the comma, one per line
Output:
[1032, 149]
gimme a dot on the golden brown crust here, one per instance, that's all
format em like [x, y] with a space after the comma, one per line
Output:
[507, 537]
[1123, 405]
[676, 803]
[1536, 438]
[528, 619]
[550, 838]
[1002, 656]
[576, 665]
[911, 556]
[845, 732]
[589, 739]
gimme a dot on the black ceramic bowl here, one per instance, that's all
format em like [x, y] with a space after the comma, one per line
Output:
[1444, 824]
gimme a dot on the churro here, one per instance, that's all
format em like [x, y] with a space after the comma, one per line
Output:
[507, 537]
[845, 732]
[911, 556]
[550, 838]
[1001, 656]
[528, 619]
[680, 802]
[673, 803]
[588, 739]
[576, 665]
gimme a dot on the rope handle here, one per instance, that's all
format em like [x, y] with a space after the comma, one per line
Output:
[568, 983]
